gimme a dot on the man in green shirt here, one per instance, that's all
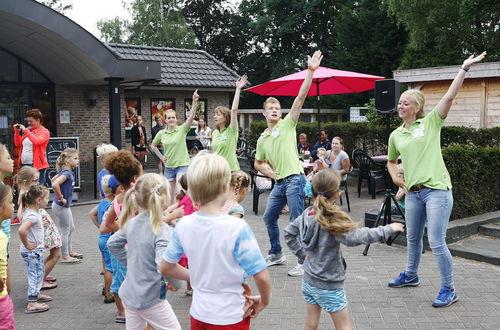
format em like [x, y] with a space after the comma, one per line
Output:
[277, 157]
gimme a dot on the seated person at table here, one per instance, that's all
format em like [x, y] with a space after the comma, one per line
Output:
[303, 144]
[337, 158]
[321, 162]
[322, 143]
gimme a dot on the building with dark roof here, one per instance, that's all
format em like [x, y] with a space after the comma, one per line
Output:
[84, 87]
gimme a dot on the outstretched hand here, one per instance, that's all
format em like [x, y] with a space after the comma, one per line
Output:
[196, 97]
[242, 81]
[314, 61]
[473, 60]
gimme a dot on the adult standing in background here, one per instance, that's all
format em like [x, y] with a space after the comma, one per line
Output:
[204, 134]
[139, 141]
[33, 141]
[225, 134]
[160, 124]
[322, 143]
[427, 182]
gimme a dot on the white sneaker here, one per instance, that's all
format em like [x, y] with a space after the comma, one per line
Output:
[298, 270]
[275, 259]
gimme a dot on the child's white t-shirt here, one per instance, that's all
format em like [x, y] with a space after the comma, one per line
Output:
[220, 249]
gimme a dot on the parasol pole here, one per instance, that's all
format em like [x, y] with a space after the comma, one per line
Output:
[317, 103]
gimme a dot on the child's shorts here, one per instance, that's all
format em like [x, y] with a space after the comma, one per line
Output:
[331, 301]
[106, 255]
[7, 313]
[119, 273]
[199, 325]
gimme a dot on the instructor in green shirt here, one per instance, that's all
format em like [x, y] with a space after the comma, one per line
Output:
[277, 157]
[427, 183]
[225, 134]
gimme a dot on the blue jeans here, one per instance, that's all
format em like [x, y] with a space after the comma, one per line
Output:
[291, 192]
[174, 173]
[433, 206]
[36, 271]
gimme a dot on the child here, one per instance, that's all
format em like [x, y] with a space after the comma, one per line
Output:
[147, 236]
[6, 168]
[317, 234]
[320, 163]
[186, 202]
[240, 182]
[6, 306]
[401, 194]
[109, 185]
[220, 249]
[26, 177]
[62, 184]
[126, 169]
[32, 246]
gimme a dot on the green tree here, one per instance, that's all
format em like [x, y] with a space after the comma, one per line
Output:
[60, 5]
[113, 30]
[444, 32]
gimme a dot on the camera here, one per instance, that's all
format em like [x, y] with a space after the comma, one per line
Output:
[18, 126]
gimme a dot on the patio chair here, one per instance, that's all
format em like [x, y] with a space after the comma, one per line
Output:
[368, 170]
[257, 188]
[343, 186]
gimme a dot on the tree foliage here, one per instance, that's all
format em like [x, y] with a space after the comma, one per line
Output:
[113, 30]
[60, 5]
[445, 32]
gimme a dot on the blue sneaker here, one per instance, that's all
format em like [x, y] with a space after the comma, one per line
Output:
[404, 280]
[446, 297]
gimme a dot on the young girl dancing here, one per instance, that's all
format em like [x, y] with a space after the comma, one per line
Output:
[240, 182]
[126, 169]
[32, 246]
[143, 291]
[6, 167]
[62, 184]
[315, 238]
[186, 202]
[6, 306]
[27, 177]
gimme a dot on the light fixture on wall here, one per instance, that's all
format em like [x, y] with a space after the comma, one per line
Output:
[92, 97]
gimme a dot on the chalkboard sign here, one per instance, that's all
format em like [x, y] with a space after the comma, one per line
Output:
[55, 147]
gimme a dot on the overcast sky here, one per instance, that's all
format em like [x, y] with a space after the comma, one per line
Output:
[88, 12]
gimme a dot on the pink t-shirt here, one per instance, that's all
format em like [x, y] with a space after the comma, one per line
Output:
[188, 205]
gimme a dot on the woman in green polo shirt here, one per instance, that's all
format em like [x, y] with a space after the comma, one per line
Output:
[225, 134]
[173, 139]
[426, 182]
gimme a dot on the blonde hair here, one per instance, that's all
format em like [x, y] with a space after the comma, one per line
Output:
[208, 176]
[106, 189]
[226, 113]
[61, 160]
[239, 180]
[419, 99]
[150, 193]
[103, 149]
[32, 194]
[270, 100]
[329, 216]
[25, 175]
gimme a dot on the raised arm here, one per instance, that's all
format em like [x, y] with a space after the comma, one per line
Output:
[240, 83]
[312, 64]
[444, 104]
[194, 105]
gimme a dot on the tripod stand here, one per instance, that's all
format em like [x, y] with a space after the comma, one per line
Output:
[384, 215]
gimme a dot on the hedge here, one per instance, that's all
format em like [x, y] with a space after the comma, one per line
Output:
[374, 139]
[474, 173]
[472, 157]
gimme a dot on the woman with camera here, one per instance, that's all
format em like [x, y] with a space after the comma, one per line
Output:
[33, 141]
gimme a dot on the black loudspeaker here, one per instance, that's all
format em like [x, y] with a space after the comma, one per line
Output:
[386, 96]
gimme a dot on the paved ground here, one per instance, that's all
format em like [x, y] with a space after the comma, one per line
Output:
[78, 303]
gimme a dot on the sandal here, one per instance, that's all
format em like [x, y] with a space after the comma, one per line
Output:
[47, 285]
[120, 320]
[71, 261]
[76, 255]
[36, 308]
[50, 278]
[42, 298]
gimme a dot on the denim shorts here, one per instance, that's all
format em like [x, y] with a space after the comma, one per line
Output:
[106, 255]
[174, 173]
[331, 301]
[119, 273]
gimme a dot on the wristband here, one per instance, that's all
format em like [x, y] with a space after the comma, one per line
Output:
[311, 68]
[60, 198]
[466, 70]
